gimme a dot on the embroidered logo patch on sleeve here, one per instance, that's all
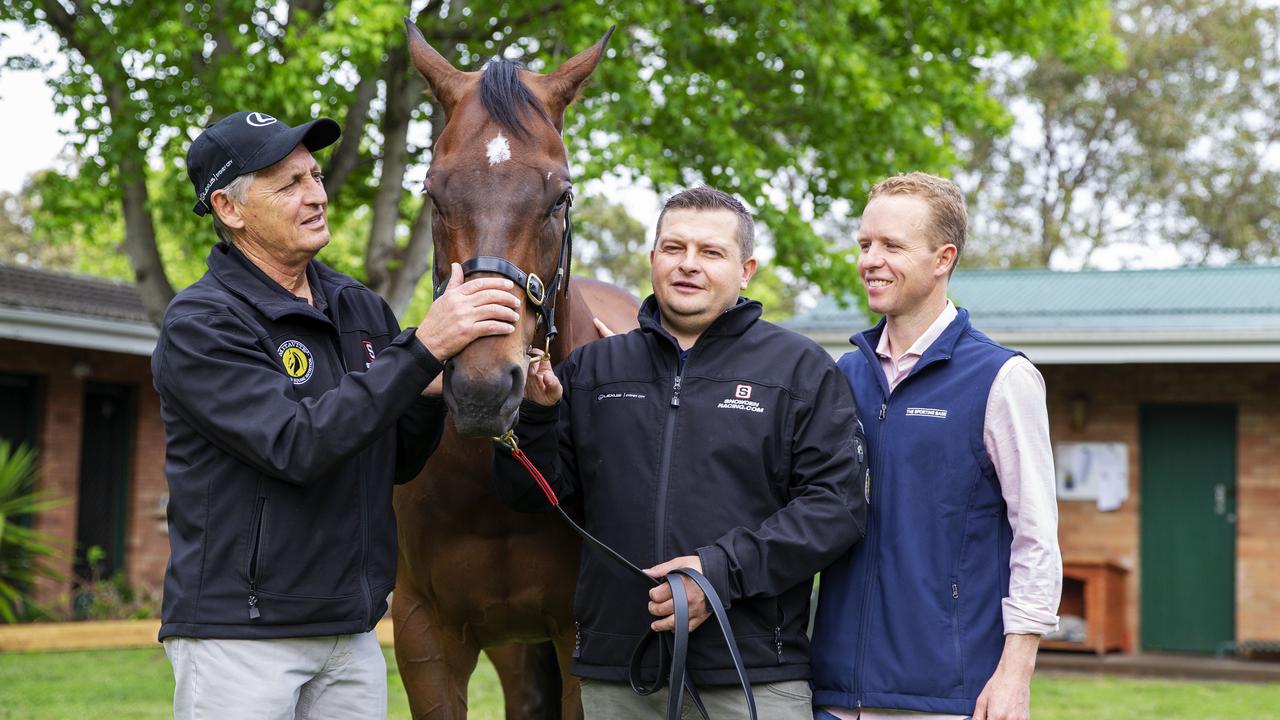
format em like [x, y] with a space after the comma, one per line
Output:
[296, 359]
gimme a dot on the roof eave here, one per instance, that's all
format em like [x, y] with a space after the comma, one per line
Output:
[77, 331]
[1100, 347]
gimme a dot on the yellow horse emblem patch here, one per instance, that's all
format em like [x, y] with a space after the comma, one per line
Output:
[297, 361]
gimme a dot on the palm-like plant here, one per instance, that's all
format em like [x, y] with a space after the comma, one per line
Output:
[24, 552]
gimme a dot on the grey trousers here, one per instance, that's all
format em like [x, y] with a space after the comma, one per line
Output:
[337, 677]
[789, 700]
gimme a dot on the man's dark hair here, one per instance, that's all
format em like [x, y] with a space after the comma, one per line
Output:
[709, 198]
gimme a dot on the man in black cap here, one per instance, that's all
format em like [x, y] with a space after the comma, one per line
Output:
[292, 402]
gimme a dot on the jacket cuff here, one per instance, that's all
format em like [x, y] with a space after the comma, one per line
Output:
[715, 568]
[532, 412]
[409, 340]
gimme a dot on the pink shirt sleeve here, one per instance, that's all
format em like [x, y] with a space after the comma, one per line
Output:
[1016, 435]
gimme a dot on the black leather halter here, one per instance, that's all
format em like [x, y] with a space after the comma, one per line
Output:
[539, 294]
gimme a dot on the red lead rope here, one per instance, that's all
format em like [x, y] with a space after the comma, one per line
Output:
[518, 454]
[508, 441]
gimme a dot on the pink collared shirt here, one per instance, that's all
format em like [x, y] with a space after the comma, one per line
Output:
[1016, 435]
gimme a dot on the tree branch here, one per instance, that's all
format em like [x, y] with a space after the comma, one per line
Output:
[386, 201]
[139, 225]
[346, 156]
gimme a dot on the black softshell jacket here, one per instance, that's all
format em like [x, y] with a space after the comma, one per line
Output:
[286, 426]
[750, 456]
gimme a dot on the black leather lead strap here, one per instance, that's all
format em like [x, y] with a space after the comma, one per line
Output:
[677, 678]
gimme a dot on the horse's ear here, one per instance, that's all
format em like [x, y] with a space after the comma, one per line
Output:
[446, 81]
[560, 88]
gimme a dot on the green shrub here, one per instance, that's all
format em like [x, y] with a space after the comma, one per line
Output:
[24, 552]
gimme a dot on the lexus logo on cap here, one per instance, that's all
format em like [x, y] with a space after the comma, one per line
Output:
[258, 119]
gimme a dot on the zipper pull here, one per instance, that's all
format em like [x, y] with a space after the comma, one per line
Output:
[955, 591]
[577, 639]
[675, 393]
[777, 642]
[883, 407]
[254, 613]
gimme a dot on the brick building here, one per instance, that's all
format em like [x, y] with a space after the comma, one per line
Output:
[1176, 375]
[1179, 368]
[75, 383]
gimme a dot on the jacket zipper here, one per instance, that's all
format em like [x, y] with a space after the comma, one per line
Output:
[254, 612]
[664, 471]
[777, 633]
[886, 396]
[364, 552]
[872, 564]
[577, 639]
[955, 624]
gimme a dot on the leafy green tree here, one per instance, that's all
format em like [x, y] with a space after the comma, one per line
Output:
[793, 105]
[24, 552]
[611, 245]
[1175, 143]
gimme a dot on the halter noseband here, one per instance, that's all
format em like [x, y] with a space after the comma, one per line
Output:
[539, 294]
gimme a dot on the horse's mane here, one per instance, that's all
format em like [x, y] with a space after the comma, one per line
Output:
[506, 98]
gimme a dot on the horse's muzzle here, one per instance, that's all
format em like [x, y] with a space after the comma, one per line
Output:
[483, 405]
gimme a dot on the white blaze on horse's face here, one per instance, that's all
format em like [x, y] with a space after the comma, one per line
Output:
[498, 150]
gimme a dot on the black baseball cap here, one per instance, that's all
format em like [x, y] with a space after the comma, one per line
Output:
[246, 142]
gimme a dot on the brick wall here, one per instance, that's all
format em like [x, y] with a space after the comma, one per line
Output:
[1115, 393]
[62, 406]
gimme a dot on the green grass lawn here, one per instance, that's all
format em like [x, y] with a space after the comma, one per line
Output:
[127, 684]
[138, 684]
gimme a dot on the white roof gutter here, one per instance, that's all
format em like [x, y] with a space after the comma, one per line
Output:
[78, 331]
[1101, 347]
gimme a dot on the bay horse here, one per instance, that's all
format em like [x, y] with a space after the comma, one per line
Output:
[472, 575]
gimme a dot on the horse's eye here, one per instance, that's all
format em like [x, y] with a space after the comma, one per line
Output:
[561, 202]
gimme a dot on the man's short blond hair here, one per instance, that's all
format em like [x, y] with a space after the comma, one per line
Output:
[948, 220]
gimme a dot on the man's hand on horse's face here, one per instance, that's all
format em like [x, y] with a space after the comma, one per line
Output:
[661, 604]
[542, 386]
[467, 311]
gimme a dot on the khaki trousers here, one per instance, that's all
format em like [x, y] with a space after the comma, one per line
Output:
[788, 700]
[336, 677]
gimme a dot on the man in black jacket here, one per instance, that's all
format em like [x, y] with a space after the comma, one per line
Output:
[291, 403]
[710, 439]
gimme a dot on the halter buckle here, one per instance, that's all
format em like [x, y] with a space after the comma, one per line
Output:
[535, 289]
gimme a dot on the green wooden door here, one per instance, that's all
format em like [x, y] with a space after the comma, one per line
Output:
[1188, 526]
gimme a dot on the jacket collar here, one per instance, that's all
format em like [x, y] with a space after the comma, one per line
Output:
[731, 322]
[240, 276]
[941, 350]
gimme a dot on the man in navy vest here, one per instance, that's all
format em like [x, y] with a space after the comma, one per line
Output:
[938, 613]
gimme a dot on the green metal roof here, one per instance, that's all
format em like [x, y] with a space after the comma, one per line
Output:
[1221, 299]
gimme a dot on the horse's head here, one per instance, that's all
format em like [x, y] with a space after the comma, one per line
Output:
[500, 186]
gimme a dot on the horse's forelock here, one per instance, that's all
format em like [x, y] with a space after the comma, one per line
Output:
[506, 98]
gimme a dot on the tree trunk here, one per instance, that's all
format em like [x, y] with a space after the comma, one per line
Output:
[347, 155]
[140, 239]
[386, 201]
[416, 256]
